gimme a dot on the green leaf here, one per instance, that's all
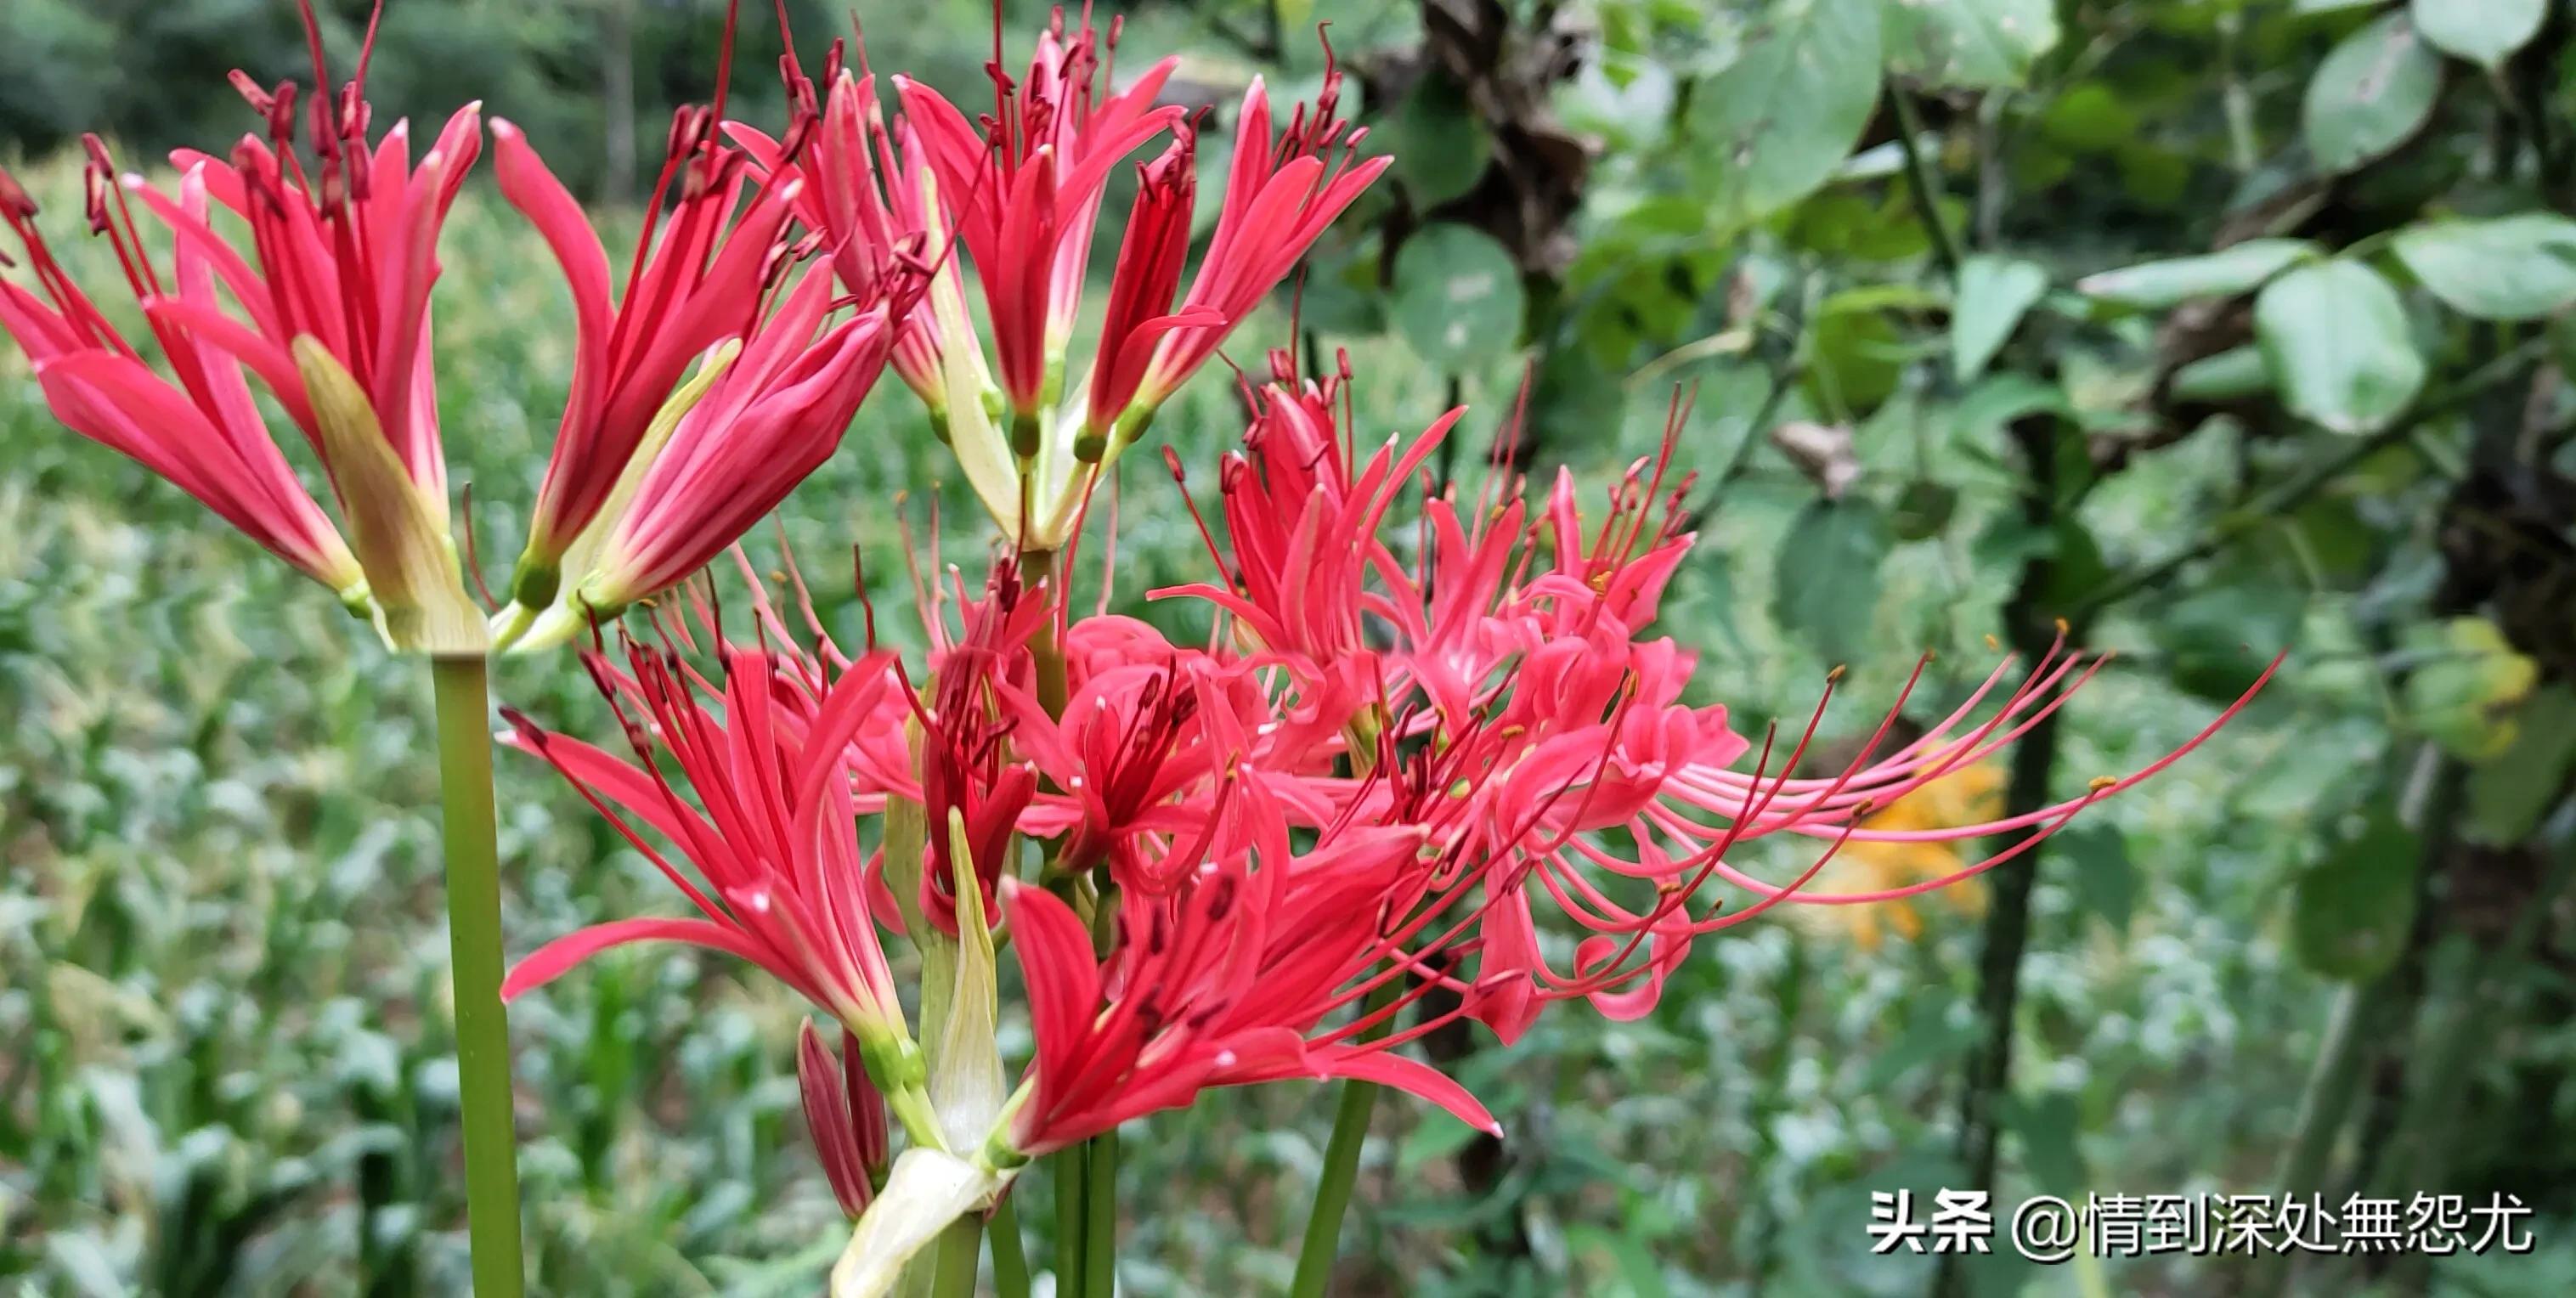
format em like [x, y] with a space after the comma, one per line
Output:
[1438, 144]
[2230, 375]
[2463, 695]
[2372, 93]
[1923, 509]
[1457, 297]
[2485, 32]
[2511, 268]
[1826, 582]
[2335, 337]
[2508, 796]
[2239, 268]
[2350, 910]
[1994, 294]
[2046, 1126]
[1777, 121]
[2218, 638]
[2105, 880]
[1969, 44]
[1340, 293]
[2090, 118]
[1855, 360]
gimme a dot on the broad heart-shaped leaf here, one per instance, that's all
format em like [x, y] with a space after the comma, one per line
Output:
[1439, 145]
[1775, 123]
[2105, 880]
[2485, 32]
[1971, 44]
[2372, 93]
[2350, 910]
[1826, 582]
[2511, 268]
[2334, 335]
[1457, 297]
[1994, 292]
[2155, 285]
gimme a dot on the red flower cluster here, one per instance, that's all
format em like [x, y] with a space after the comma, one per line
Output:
[1262, 850]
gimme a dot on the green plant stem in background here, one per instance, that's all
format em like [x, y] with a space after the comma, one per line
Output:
[474, 945]
[957, 1256]
[1010, 1263]
[1919, 184]
[1358, 1100]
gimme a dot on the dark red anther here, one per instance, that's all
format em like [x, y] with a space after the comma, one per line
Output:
[94, 199]
[801, 130]
[260, 100]
[1220, 897]
[14, 200]
[281, 114]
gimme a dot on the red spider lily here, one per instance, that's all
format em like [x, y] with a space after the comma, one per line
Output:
[968, 787]
[198, 428]
[1220, 981]
[1026, 188]
[1304, 518]
[772, 418]
[772, 833]
[1150, 254]
[845, 1115]
[865, 189]
[345, 254]
[698, 282]
[1279, 197]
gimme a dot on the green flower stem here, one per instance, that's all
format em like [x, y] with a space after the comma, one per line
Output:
[959, 1253]
[1010, 1264]
[1100, 1216]
[474, 943]
[1322, 1243]
[1065, 1171]
[1040, 566]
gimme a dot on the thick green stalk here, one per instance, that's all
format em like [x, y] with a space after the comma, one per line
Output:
[1315, 1253]
[1010, 1263]
[1333, 1191]
[1065, 1172]
[1100, 1216]
[474, 945]
[957, 1256]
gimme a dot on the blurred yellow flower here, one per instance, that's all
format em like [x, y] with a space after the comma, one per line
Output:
[1965, 796]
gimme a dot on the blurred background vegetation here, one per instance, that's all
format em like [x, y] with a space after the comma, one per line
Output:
[2212, 327]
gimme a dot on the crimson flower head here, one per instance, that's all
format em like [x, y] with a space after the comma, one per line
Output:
[1021, 186]
[768, 417]
[197, 426]
[696, 277]
[1280, 195]
[864, 187]
[332, 317]
[1025, 187]
[1222, 979]
[971, 789]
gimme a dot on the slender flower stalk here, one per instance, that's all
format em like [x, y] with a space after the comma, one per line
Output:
[474, 935]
